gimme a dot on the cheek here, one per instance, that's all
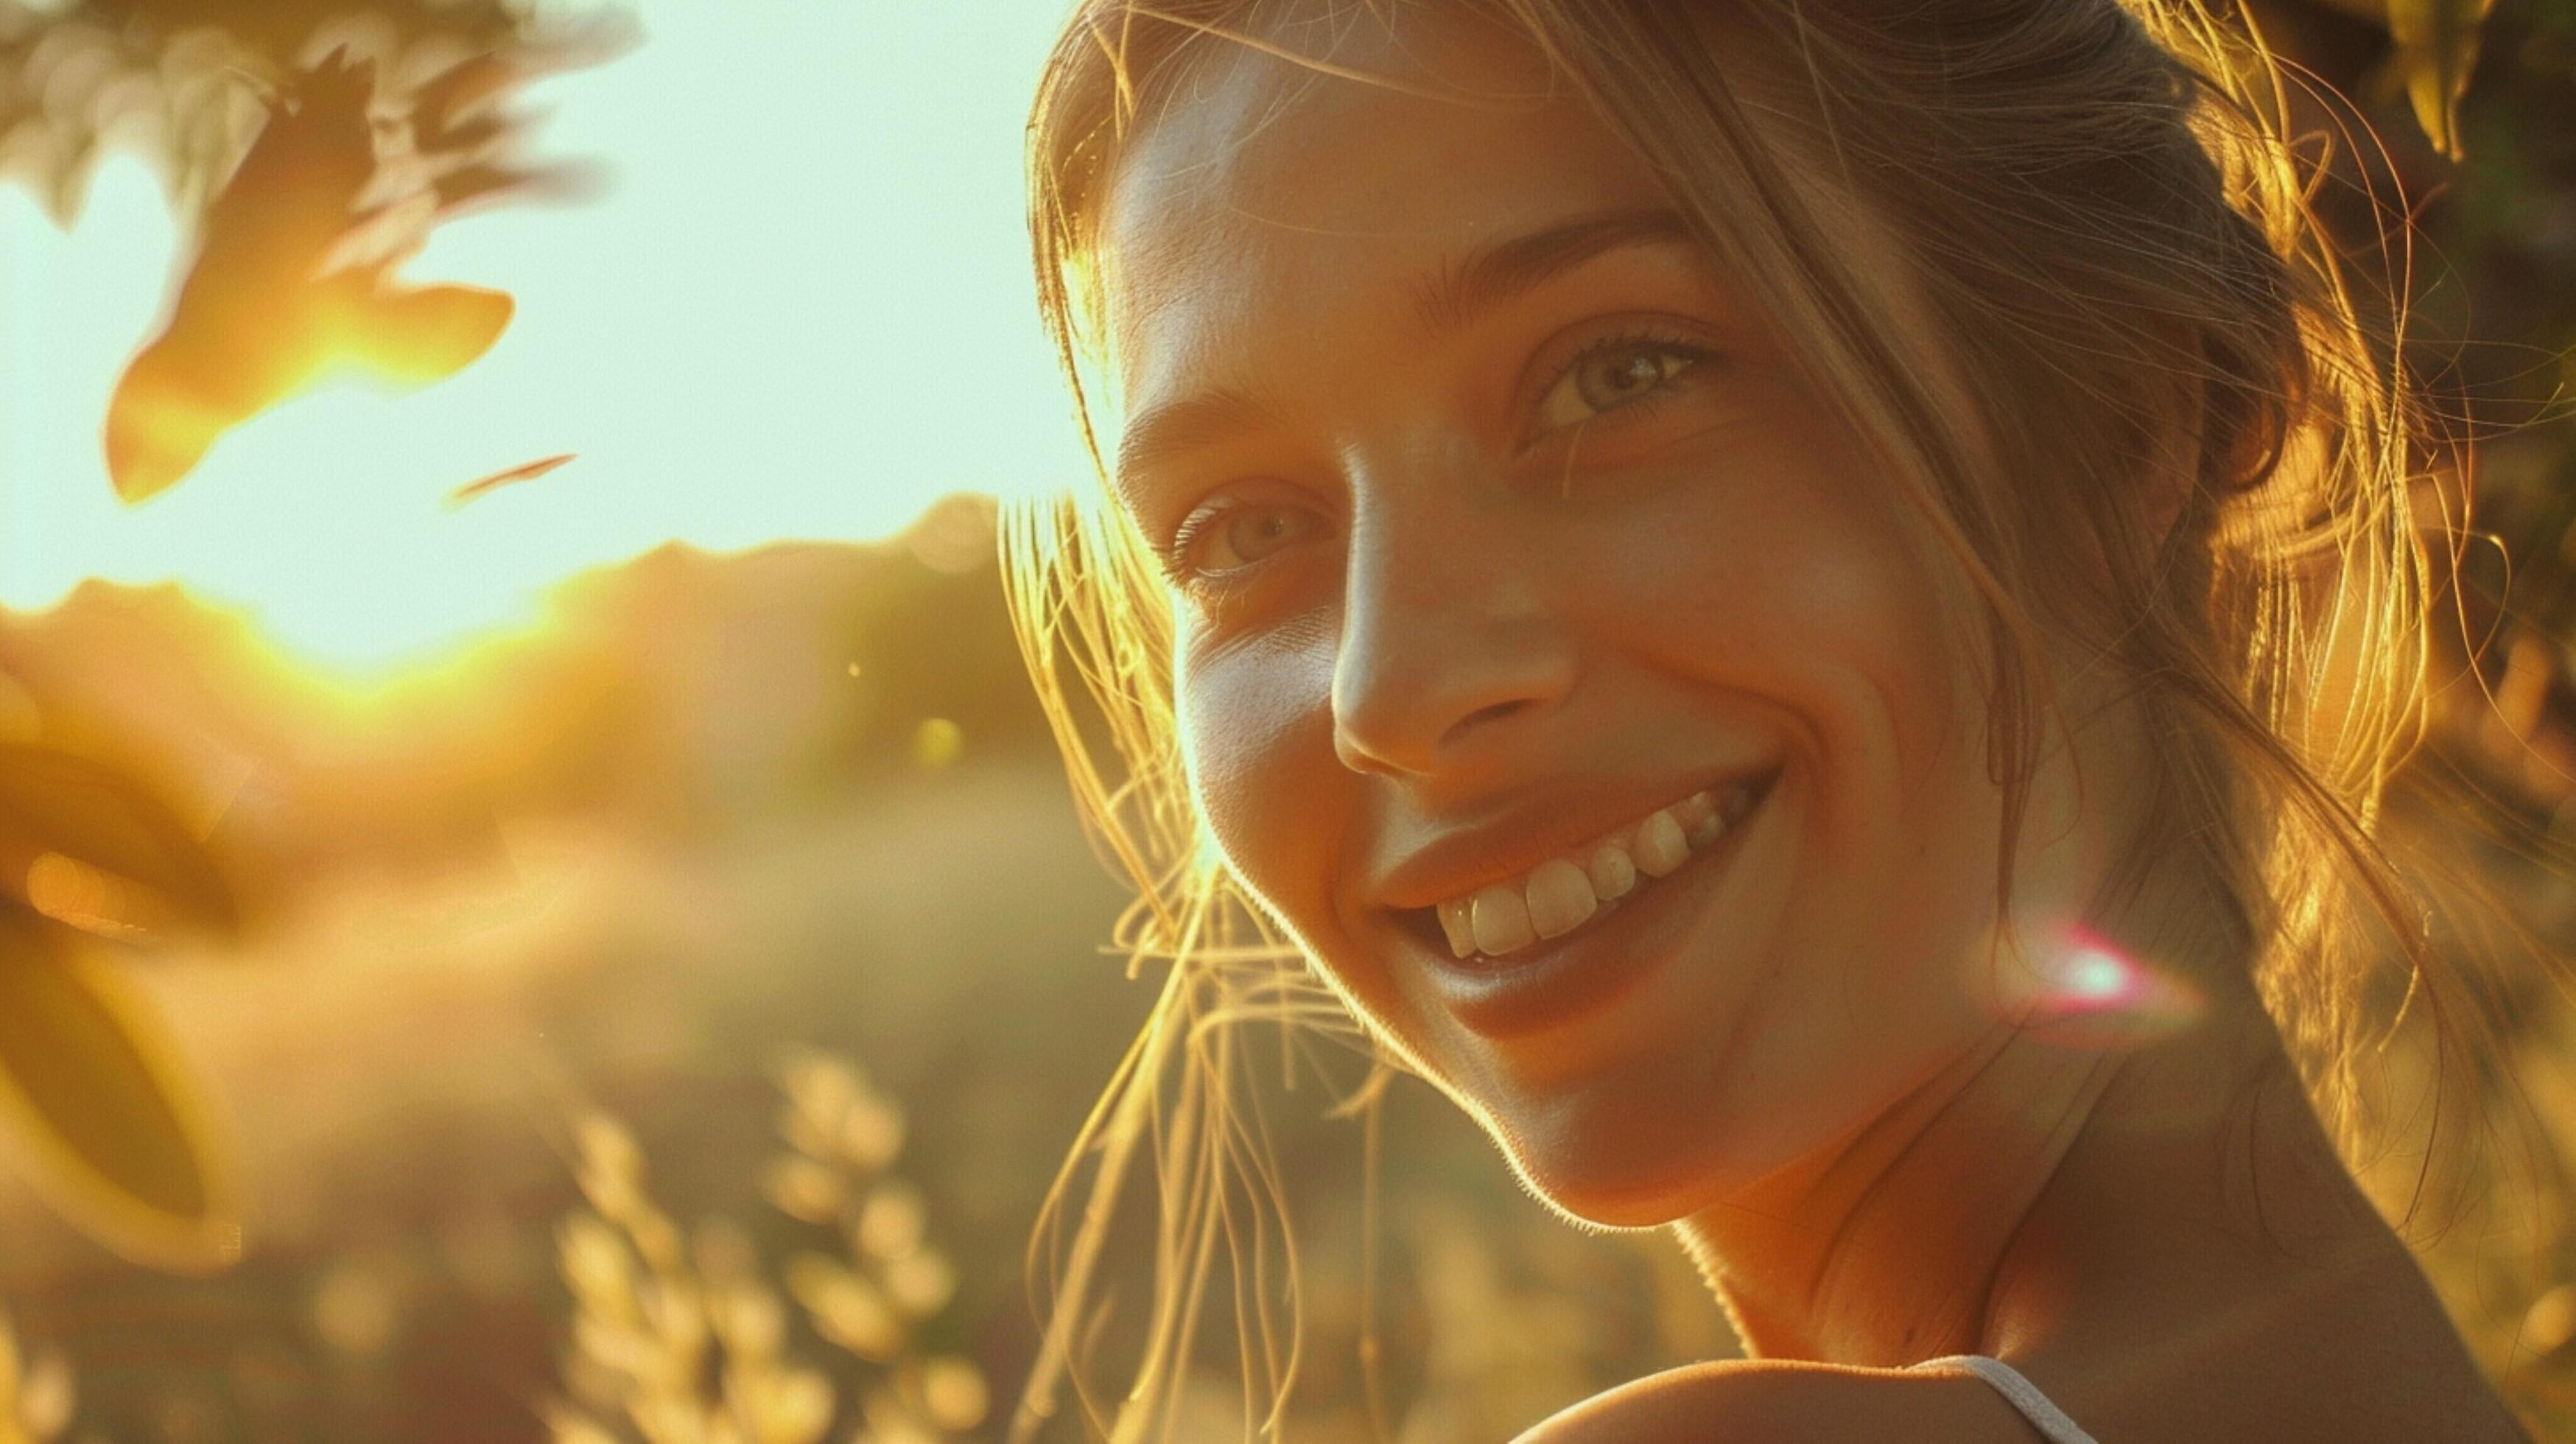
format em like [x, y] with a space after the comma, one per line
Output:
[1788, 586]
[1784, 577]
[1867, 648]
[1255, 729]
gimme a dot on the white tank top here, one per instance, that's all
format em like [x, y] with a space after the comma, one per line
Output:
[2021, 1393]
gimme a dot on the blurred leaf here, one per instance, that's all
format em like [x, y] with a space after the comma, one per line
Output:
[186, 79]
[953, 1391]
[120, 1135]
[508, 476]
[921, 1283]
[2437, 47]
[274, 301]
[54, 805]
[872, 1132]
[48, 1395]
[566, 1425]
[892, 1221]
[750, 1320]
[611, 1168]
[820, 1091]
[783, 1406]
[845, 1308]
[805, 1189]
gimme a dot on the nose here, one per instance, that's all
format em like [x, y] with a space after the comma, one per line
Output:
[1449, 654]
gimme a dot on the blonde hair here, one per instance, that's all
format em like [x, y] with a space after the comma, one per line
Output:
[2102, 215]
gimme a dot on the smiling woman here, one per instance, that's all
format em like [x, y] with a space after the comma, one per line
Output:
[1804, 607]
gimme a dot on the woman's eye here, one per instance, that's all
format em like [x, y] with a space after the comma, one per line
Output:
[1218, 540]
[1607, 377]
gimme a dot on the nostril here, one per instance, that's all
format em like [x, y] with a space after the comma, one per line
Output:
[1497, 712]
[1408, 692]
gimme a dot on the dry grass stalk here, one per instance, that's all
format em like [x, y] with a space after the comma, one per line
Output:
[686, 1342]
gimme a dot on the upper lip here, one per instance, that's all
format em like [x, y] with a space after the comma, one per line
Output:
[1453, 861]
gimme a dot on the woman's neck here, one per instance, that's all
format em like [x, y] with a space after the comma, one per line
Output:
[1886, 1247]
[2049, 1172]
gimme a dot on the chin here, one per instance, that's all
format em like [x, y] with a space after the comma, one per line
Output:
[1618, 1157]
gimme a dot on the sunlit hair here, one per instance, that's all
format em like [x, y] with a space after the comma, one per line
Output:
[2116, 250]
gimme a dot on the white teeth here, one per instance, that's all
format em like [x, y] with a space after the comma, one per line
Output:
[1500, 918]
[1613, 873]
[1698, 817]
[1660, 846]
[1453, 922]
[1563, 893]
[1560, 898]
[1692, 810]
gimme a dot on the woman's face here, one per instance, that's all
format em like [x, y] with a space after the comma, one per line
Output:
[1519, 574]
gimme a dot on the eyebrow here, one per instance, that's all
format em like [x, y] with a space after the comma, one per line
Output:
[1467, 287]
[1179, 427]
[1485, 278]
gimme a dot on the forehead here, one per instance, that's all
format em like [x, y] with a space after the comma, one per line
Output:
[1263, 193]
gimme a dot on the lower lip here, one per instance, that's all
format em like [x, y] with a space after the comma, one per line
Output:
[1552, 982]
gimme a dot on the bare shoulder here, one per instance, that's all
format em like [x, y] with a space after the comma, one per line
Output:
[1786, 1401]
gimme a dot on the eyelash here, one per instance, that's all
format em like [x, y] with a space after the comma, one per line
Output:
[1644, 339]
[1197, 524]
[1174, 554]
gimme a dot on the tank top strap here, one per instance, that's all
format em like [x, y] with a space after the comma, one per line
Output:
[2021, 1393]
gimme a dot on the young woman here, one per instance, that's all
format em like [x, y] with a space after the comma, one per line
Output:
[1802, 604]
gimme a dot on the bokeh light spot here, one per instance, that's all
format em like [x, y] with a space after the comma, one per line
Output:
[937, 742]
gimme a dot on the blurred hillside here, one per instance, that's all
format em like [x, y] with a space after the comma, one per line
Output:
[677, 695]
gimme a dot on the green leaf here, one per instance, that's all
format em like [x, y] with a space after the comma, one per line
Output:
[2437, 47]
[115, 1128]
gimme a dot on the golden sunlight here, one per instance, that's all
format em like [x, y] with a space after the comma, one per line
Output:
[799, 310]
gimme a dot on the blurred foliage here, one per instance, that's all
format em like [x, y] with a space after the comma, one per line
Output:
[314, 146]
[2437, 48]
[688, 1343]
[190, 82]
[355, 157]
[291, 277]
[115, 1125]
[37, 1391]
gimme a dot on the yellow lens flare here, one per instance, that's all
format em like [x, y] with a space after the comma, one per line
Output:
[93, 899]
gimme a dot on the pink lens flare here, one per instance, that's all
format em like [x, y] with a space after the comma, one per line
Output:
[2089, 982]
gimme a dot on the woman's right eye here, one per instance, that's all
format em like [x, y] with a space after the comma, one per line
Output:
[1222, 539]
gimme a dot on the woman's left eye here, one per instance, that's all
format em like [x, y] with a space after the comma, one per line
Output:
[1613, 374]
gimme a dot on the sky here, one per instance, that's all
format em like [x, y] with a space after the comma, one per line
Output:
[801, 310]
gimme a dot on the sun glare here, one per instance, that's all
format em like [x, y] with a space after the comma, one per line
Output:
[2088, 978]
[799, 311]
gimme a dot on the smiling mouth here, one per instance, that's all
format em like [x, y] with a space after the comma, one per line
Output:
[1572, 893]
